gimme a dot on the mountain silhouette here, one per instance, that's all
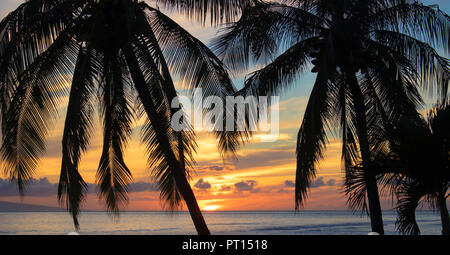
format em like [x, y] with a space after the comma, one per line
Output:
[20, 207]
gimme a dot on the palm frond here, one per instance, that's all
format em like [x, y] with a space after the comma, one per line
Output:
[77, 129]
[197, 67]
[270, 81]
[157, 135]
[438, 120]
[189, 58]
[152, 57]
[264, 29]
[409, 196]
[433, 69]
[311, 137]
[26, 33]
[276, 76]
[391, 74]
[356, 188]
[113, 175]
[343, 108]
[378, 117]
[423, 22]
[217, 10]
[33, 105]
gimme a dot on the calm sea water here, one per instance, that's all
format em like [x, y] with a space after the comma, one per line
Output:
[233, 223]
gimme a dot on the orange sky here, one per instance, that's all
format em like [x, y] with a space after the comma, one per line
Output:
[260, 179]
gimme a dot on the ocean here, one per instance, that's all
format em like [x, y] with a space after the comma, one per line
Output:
[219, 223]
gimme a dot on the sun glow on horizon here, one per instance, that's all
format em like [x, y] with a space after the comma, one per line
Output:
[210, 208]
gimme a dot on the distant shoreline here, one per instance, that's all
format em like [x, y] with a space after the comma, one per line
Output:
[217, 211]
[19, 207]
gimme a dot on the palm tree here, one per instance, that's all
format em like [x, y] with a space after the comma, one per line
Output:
[414, 166]
[124, 53]
[369, 56]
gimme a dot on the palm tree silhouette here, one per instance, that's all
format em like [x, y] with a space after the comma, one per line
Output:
[414, 163]
[369, 56]
[122, 52]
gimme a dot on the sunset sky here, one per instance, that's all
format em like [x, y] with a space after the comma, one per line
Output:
[261, 178]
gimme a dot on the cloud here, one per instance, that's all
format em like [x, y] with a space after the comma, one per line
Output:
[143, 186]
[265, 158]
[225, 188]
[34, 187]
[331, 182]
[248, 185]
[284, 191]
[201, 184]
[319, 182]
[216, 168]
[42, 187]
[289, 184]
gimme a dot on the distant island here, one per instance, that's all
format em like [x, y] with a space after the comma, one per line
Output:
[19, 207]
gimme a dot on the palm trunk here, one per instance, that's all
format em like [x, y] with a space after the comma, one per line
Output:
[191, 202]
[376, 218]
[445, 219]
[179, 174]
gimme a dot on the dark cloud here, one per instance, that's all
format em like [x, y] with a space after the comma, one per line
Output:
[201, 184]
[42, 187]
[284, 191]
[225, 188]
[255, 190]
[289, 184]
[319, 182]
[34, 187]
[216, 168]
[331, 182]
[248, 185]
[265, 158]
[143, 186]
